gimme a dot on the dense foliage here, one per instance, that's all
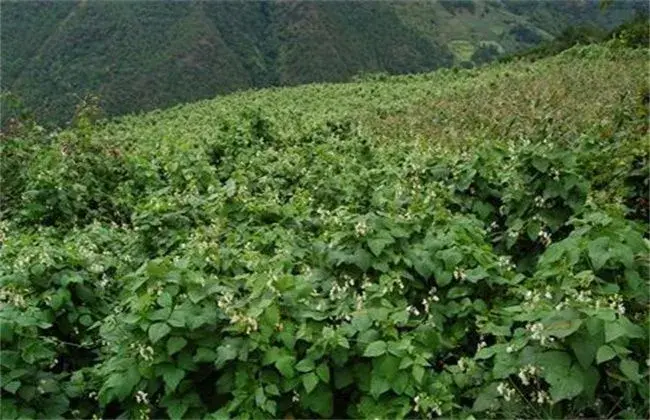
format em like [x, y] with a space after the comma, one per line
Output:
[141, 55]
[409, 252]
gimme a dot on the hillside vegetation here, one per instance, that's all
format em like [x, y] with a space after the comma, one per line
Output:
[459, 244]
[142, 55]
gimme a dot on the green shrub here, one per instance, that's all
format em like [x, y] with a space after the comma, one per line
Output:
[196, 266]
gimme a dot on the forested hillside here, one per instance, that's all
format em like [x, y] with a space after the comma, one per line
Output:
[141, 55]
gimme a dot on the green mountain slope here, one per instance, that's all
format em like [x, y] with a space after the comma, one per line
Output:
[467, 243]
[144, 55]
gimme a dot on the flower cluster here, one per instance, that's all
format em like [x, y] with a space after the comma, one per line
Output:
[141, 397]
[533, 297]
[540, 397]
[248, 322]
[413, 310]
[144, 351]
[464, 364]
[337, 291]
[555, 174]
[506, 391]
[459, 274]
[544, 237]
[537, 333]
[424, 403]
[614, 302]
[429, 300]
[361, 229]
[481, 344]
[506, 263]
[15, 297]
[528, 373]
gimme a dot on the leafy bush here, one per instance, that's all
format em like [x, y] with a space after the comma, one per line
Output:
[189, 266]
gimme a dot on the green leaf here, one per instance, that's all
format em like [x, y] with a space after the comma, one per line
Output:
[566, 380]
[285, 365]
[585, 347]
[375, 349]
[305, 365]
[540, 163]
[342, 378]
[323, 372]
[260, 398]
[175, 344]
[309, 380]
[361, 259]
[12, 387]
[418, 373]
[386, 366]
[400, 382]
[599, 252]
[488, 399]
[377, 245]
[158, 331]
[378, 385]
[320, 402]
[272, 389]
[630, 369]
[562, 328]
[172, 377]
[165, 300]
[204, 354]
[613, 330]
[604, 354]
[177, 409]
[225, 353]
[178, 318]
[632, 330]
[405, 362]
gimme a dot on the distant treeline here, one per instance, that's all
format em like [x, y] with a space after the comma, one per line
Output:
[634, 33]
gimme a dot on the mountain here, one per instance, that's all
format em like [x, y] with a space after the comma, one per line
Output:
[141, 55]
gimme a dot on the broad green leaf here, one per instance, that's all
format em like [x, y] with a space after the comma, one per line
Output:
[225, 353]
[375, 349]
[630, 369]
[377, 245]
[599, 252]
[260, 398]
[165, 300]
[175, 344]
[379, 385]
[158, 331]
[562, 328]
[305, 365]
[173, 376]
[488, 399]
[320, 401]
[604, 354]
[309, 380]
[285, 365]
[342, 378]
[566, 380]
[418, 373]
[177, 409]
[204, 354]
[585, 347]
[613, 330]
[12, 387]
[323, 372]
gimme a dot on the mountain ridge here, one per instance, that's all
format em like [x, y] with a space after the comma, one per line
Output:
[139, 56]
